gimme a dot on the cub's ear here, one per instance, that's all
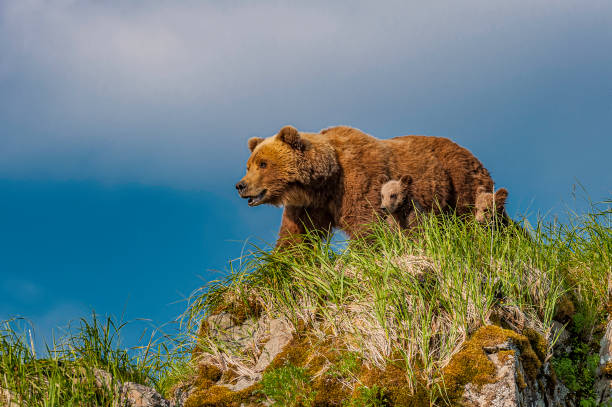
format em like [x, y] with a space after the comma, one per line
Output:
[254, 142]
[500, 197]
[290, 135]
[481, 190]
[383, 179]
[406, 180]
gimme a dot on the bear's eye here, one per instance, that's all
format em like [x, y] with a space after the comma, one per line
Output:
[263, 164]
[393, 196]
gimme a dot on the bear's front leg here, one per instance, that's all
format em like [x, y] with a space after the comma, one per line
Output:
[296, 220]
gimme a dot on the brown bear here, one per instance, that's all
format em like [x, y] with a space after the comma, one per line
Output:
[491, 205]
[331, 178]
[402, 199]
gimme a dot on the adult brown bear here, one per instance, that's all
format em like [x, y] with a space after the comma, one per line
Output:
[332, 178]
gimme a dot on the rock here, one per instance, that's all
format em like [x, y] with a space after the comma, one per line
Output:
[138, 395]
[101, 378]
[504, 392]
[222, 327]
[603, 386]
[280, 335]
[180, 395]
[512, 386]
[7, 398]
[605, 350]
[104, 379]
[561, 335]
[266, 337]
[243, 382]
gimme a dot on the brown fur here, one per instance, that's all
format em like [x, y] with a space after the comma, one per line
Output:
[491, 205]
[332, 178]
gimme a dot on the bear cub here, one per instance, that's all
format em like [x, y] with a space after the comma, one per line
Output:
[398, 202]
[491, 205]
[402, 199]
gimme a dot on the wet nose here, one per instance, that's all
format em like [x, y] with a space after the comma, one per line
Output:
[241, 186]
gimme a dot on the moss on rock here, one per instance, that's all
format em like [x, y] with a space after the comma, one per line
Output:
[471, 364]
[606, 369]
[220, 396]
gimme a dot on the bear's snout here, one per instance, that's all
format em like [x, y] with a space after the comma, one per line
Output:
[241, 186]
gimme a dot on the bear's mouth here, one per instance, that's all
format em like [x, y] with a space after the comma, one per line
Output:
[257, 200]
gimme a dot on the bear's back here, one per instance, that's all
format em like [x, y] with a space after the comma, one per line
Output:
[465, 171]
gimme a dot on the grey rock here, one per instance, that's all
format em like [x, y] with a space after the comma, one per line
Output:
[512, 388]
[605, 350]
[243, 382]
[138, 395]
[224, 329]
[603, 387]
[561, 335]
[274, 334]
[280, 336]
[180, 395]
[7, 398]
[104, 379]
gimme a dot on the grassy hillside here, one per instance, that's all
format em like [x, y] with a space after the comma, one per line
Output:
[406, 304]
[374, 323]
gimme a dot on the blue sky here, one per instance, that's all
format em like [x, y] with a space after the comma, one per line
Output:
[123, 125]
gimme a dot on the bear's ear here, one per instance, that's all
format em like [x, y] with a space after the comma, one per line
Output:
[500, 197]
[481, 190]
[383, 178]
[290, 135]
[254, 142]
[406, 180]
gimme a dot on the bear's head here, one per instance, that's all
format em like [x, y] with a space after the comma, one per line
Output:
[395, 193]
[489, 204]
[283, 166]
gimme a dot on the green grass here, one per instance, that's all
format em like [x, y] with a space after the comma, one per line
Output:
[346, 367]
[415, 299]
[369, 397]
[71, 371]
[287, 386]
[386, 299]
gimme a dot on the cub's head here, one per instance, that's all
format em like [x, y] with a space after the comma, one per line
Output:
[489, 204]
[395, 193]
[283, 164]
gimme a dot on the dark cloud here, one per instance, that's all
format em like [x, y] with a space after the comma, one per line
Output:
[168, 92]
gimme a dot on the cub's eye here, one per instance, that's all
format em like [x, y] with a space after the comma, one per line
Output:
[263, 164]
[393, 196]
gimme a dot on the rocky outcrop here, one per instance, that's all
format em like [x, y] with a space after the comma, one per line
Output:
[495, 368]
[221, 373]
